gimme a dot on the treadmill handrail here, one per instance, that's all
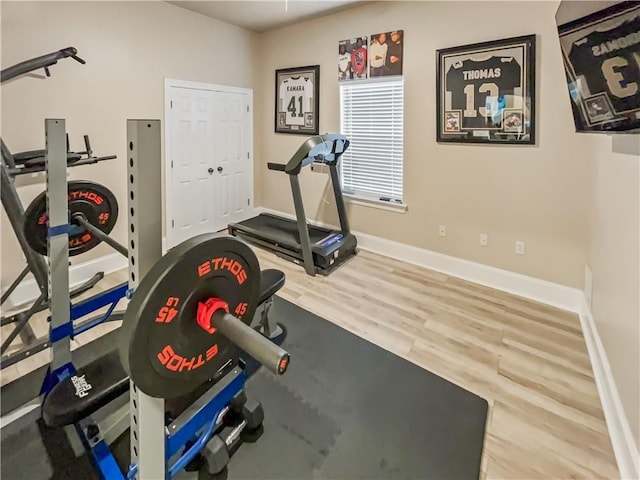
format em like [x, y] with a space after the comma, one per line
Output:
[281, 167]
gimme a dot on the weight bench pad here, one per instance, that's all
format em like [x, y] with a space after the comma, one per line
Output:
[22, 157]
[271, 280]
[37, 162]
[33, 158]
[91, 388]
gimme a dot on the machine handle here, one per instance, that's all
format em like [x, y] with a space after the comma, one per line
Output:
[87, 146]
[255, 344]
[78, 59]
[43, 61]
[277, 166]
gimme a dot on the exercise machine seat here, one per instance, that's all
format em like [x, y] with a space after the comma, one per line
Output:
[271, 280]
[91, 388]
[36, 157]
[22, 157]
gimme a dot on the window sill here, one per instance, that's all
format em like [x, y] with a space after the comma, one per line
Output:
[367, 202]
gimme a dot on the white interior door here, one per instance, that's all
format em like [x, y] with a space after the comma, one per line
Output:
[233, 182]
[210, 183]
[192, 206]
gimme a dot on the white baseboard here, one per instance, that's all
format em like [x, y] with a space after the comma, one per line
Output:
[542, 291]
[624, 445]
[28, 290]
[549, 293]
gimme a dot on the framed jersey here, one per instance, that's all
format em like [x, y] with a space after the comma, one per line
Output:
[486, 92]
[297, 100]
[601, 54]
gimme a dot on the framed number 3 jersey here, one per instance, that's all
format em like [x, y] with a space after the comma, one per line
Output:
[485, 92]
[297, 100]
[601, 55]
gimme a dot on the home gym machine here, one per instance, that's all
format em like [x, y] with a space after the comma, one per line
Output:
[93, 209]
[178, 354]
[320, 250]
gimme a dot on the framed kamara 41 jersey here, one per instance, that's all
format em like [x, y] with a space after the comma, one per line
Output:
[486, 92]
[602, 61]
[297, 100]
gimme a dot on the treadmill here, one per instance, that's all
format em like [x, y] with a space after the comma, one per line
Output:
[319, 250]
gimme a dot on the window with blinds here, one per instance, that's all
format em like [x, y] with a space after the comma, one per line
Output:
[371, 116]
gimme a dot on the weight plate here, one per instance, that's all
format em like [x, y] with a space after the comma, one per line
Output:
[94, 201]
[162, 347]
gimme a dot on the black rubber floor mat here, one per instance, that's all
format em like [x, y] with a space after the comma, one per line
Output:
[348, 409]
[345, 409]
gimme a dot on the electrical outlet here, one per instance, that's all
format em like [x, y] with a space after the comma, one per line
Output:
[442, 230]
[484, 239]
[520, 247]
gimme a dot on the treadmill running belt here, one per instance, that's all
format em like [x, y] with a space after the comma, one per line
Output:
[286, 231]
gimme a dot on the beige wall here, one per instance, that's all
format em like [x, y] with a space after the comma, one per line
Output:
[614, 258]
[130, 47]
[535, 194]
[567, 193]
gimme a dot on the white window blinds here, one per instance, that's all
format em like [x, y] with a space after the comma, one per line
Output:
[372, 119]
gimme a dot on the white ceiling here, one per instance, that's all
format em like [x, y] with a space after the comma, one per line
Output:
[264, 15]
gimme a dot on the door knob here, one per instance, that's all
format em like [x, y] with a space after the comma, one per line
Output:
[210, 171]
[220, 169]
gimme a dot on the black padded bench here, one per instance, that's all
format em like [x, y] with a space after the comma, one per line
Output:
[271, 280]
[34, 158]
[103, 380]
[82, 394]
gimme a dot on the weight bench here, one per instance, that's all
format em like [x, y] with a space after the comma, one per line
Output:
[91, 388]
[103, 380]
[271, 280]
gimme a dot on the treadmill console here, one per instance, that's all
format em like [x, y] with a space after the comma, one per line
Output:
[331, 147]
[325, 149]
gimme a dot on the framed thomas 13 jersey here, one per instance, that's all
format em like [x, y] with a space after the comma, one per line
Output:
[486, 92]
[297, 100]
[601, 55]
